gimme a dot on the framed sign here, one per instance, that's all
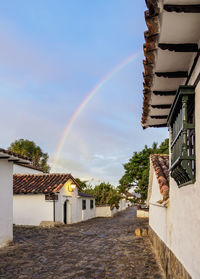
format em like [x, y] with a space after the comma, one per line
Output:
[51, 197]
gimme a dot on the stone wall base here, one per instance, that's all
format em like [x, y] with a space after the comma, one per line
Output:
[50, 224]
[169, 262]
[7, 243]
[142, 213]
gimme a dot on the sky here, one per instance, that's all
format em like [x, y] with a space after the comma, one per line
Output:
[52, 55]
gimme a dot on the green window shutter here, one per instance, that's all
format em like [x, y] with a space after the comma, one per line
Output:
[182, 136]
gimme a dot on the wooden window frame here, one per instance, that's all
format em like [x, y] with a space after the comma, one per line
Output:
[181, 123]
[91, 204]
[83, 204]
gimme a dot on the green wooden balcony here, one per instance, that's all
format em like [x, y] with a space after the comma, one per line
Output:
[182, 136]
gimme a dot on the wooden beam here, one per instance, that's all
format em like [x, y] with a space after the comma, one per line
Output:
[179, 47]
[13, 160]
[193, 67]
[182, 8]
[164, 93]
[166, 106]
[159, 116]
[158, 126]
[178, 74]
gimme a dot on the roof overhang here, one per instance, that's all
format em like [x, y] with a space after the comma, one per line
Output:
[12, 157]
[171, 51]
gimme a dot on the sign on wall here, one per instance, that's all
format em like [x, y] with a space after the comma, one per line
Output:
[51, 197]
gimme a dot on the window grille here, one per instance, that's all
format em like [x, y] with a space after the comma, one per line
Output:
[83, 204]
[181, 121]
[91, 204]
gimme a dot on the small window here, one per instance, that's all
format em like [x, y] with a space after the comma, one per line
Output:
[91, 204]
[83, 204]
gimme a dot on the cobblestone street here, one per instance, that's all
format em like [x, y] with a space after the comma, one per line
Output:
[99, 248]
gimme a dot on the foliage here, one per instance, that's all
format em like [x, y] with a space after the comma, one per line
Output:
[104, 193]
[31, 150]
[137, 169]
[82, 184]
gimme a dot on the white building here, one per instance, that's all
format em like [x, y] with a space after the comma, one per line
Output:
[7, 158]
[50, 198]
[172, 98]
[20, 168]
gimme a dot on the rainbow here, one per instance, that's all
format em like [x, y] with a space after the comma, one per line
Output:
[78, 111]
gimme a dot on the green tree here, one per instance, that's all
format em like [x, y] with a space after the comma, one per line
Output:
[31, 150]
[82, 184]
[137, 169]
[104, 193]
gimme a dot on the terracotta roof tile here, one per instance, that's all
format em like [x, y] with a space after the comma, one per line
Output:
[160, 163]
[40, 183]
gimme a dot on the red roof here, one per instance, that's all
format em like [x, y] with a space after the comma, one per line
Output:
[160, 163]
[40, 183]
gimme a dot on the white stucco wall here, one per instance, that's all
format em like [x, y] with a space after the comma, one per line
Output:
[179, 224]
[103, 211]
[17, 169]
[74, 206]
[184, 212]
[31, 209]
[123, 204]
[88, 213]
[6, 202]
[157, 212]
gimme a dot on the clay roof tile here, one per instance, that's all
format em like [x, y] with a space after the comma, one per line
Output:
[160, 163]
[40, 183]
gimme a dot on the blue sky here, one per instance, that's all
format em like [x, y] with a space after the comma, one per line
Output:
[52, 54]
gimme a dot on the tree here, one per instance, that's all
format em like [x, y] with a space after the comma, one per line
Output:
[82, 184]
[137, 169]
[32, 151]
[104, 193]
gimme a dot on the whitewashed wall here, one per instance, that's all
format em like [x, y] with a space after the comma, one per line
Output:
[179, 224]
[6, 202]
[123, 204]
[157, 212]
[31, 209]
[74, 206]
[88, 213]
[17, 169]
[103, 211]
[184, 212]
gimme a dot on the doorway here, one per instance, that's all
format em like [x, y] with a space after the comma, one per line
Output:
[65, 212]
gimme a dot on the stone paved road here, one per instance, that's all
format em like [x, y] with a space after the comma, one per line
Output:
[100, 248]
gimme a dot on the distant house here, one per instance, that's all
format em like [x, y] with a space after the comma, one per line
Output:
[171, 98]
[129, 196]
[49, 198]
[7, 158]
